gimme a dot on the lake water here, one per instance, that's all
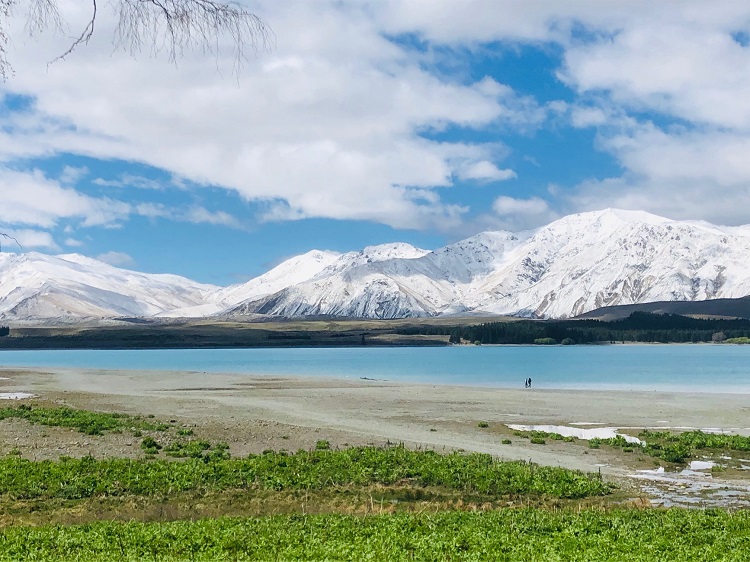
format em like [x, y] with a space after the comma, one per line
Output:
[705, 368]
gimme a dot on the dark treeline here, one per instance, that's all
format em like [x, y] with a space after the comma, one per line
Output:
[4, 331]
[638, 327]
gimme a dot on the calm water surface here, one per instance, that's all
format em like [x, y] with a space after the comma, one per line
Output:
[705, 368]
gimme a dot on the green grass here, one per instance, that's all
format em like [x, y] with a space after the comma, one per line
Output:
[742, 340]
[678, 447]
[510, 535]
[671, 447]
[90, 423]
[197, 449]
[474, 473]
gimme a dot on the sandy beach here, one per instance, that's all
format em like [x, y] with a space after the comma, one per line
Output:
[257, 412]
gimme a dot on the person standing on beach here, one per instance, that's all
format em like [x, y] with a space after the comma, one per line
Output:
[529, 383]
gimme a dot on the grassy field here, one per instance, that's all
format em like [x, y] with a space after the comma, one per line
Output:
[185, 499]
[510, 534]
[472, 474]
[90, 423]
[676, 448]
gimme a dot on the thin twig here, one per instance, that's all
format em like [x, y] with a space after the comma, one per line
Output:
[84, 38]
[9, 237]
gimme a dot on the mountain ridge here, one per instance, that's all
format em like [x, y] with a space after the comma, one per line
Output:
[564, 269]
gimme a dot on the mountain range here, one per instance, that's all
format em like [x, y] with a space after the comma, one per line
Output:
[574, 265]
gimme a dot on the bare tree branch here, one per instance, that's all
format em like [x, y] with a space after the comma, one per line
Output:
[6, 11]
[163, 26]
[41, 15]
[174, 26]
[85, 36]
[8, 237]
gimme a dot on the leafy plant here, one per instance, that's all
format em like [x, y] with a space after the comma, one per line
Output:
[319, 469]
[150, 446]
[90, 423]
[509, 534]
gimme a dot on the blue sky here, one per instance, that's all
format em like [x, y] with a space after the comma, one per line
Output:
[372, 122]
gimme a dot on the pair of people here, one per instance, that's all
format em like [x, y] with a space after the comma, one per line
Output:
[527, 383]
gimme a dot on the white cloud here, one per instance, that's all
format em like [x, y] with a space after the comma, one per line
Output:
[667, 91]
[73, 242]
[72, 175]
[588, 117]
[516, 214]
[193, 213]
[28, 239]
[330, 122]
[713, 157]
[505, 206]
[675, 62]
[131, 180]
[29, 198]
[118, 259]
[197, 214]
[485, 171]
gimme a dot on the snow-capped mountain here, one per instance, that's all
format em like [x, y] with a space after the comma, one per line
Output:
[586, 261]
[571, 266]
[38, 286]
[290, 272]
[392, 281]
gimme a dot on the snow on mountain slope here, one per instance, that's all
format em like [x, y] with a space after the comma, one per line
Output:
[571, 266]
[380, 283]
[350, 285]
[582, 262]
[290, 272]
[34, 285]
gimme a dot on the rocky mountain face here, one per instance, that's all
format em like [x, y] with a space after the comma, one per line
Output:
[571, 266]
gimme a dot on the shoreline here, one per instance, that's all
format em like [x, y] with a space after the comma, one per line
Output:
[557, 402]
[347, 402]
[253, 413]
[540, 385]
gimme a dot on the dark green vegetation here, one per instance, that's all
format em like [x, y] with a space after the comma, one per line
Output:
[638, 327]
[197, 449]
[678, 447]
[671, 447]
[742, 340]
[472, 474]
[510, 534]
[4, 331]
[90, 423]
[143, 334]
[545, 341]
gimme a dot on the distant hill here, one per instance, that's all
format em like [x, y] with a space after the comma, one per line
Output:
[723, 308]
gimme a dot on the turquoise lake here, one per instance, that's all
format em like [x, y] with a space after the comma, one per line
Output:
[703, 368]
